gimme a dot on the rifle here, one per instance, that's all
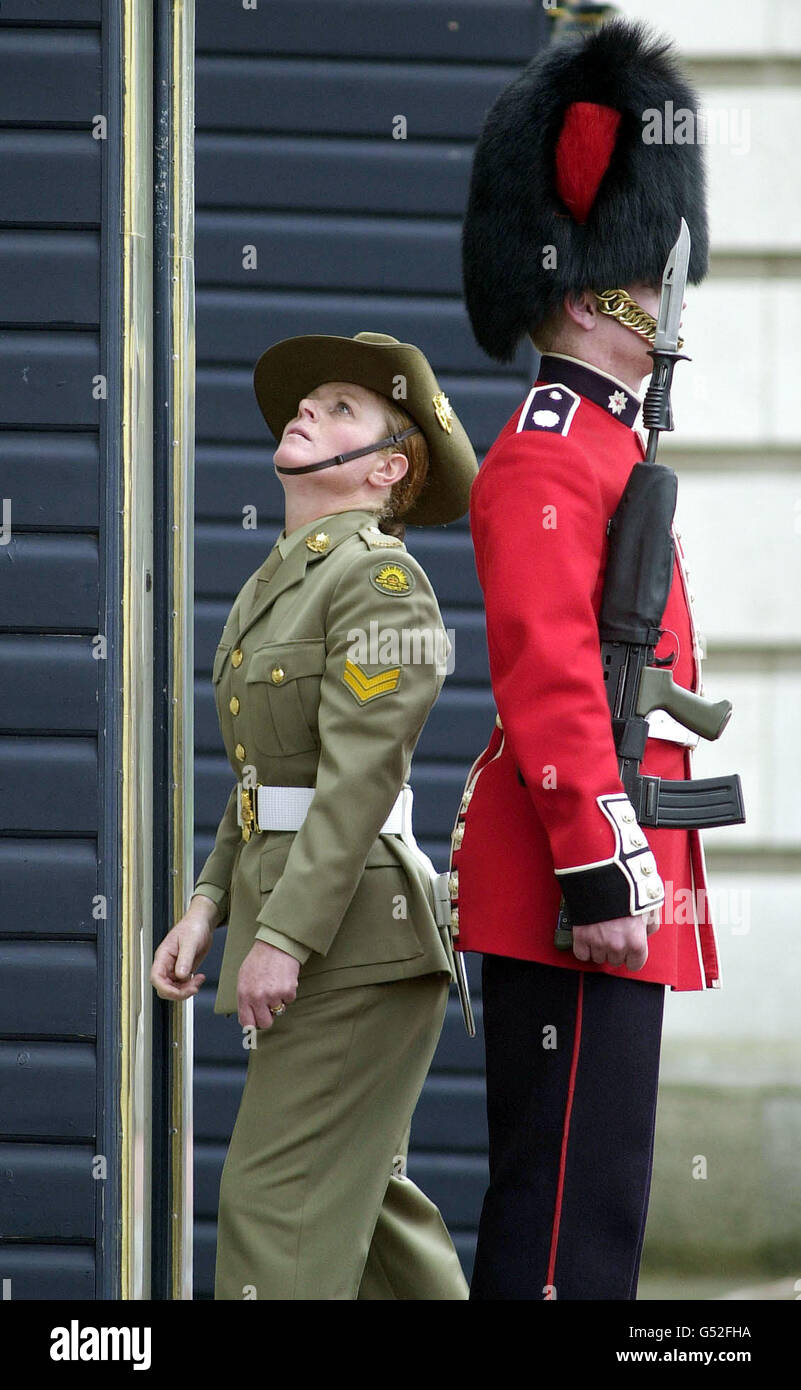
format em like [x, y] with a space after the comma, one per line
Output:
[637, 582]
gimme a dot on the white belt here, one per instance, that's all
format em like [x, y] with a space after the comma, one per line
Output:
[284, 808]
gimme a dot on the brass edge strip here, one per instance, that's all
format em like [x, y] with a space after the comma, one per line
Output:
[136, 784]
[182, 333]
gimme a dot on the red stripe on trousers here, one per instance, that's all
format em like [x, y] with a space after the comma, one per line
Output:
[571, 1086]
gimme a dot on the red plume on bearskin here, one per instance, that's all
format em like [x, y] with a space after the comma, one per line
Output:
[583, 152]
[566, 194]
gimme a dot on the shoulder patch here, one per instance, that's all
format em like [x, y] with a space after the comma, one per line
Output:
[392, 578]
[549, 408]
[378, 539]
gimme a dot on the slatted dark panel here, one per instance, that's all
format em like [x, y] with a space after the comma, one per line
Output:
[50, 78]
[50, 1088]
[53, 13]
[53, 1028]
[49, 177]
[47, 1191]
[49, 786]
[51, 479]
[393, 177]
[49, 886]
[459, 30]
[49, 278]
[352, 230]
[444, 326]
[48, 581]
[35, 1000]
[301, 96]
[55, 1272]
[31, 667]
[47, 379]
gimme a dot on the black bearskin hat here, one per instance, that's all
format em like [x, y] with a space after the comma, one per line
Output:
[562, 163]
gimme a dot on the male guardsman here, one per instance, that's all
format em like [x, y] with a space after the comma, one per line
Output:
[567, 203]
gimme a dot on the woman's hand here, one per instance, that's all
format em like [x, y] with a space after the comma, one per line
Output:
[268, 977]
[182, 950]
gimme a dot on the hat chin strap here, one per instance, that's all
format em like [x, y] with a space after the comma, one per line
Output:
[620, 305]
[354, 454]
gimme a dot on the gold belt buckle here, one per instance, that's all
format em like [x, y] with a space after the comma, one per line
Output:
[248, 811]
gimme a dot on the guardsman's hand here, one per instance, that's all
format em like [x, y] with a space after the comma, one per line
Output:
[619, 941]
[178, 955]
[268, 977]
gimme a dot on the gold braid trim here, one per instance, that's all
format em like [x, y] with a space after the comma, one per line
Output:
[627, 311]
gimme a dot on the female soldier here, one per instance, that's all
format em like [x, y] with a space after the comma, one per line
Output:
[328, 665]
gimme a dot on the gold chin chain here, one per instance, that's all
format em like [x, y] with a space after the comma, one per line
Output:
[627, 311]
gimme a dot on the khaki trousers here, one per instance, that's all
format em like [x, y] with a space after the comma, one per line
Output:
[313, 1204]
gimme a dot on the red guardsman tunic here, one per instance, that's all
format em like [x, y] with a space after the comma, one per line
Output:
[544, 811]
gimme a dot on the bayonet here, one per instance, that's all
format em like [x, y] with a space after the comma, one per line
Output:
[656, 411]
[674, 284]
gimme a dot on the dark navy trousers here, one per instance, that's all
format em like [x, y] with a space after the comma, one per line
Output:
[572, 1075]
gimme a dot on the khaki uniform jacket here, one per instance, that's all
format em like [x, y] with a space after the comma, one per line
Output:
[304, 701]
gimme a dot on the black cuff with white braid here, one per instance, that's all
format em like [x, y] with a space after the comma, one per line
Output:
[621, 886]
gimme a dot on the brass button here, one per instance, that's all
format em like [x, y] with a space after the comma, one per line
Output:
[653, 891]
[453, 884]
[318, 543]
[454, 917]
[646, 869]
[240, 752]
[236, 656]
[458, 836]
[233, 704]
[277, 674]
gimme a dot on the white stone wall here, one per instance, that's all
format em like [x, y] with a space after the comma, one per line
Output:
[717, 30]
[731, 1060]
[737, 450]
